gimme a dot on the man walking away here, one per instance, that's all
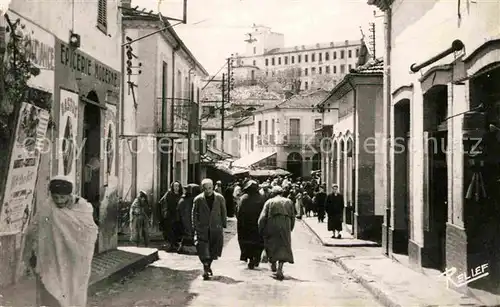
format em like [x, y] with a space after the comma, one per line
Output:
[276, 223]
[319, 203]
[335, 209]
[209, 221]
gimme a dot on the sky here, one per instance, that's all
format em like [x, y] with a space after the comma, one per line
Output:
[216, 28]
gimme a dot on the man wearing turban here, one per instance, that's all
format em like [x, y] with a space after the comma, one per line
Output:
[60, 246]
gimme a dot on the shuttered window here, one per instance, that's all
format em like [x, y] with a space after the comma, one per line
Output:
[102, 13]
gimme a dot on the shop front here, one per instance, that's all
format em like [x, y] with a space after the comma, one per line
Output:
[23, 187]
[86, 101]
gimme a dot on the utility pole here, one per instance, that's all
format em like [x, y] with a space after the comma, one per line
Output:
[372, 39]
[223, 107]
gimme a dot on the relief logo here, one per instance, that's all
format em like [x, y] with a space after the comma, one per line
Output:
[464, 278]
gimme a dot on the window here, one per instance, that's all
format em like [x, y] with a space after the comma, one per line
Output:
[320, 56]
[251, 142]
[313, 71]
[306, 85]
[306, 58]
[211, 140]
[327, 56]
[317, 123]
[299, 58]
[253, 74]
[272, 126]
[273, 73]
[254, 50]
[327, 69]
[254, 62]
[335, 55]
[294, 126]
[350, 67]
[320, 70]
[286, 60]
[102, 15]
[259, 128]
[246, 141]
[267, 74]
[272, 62]
[267, 62]
[164, 86]
[334, 69]
[342, 54]
[342, 69]
[357, 52]
[306, 71]
[313, 57]
[279, 61]
[293, 59]
[349, 53]
[266, 127]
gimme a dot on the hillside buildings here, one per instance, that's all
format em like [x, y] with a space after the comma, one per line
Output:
[305, 66]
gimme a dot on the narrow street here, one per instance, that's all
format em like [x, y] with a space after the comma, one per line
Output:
[175, 280]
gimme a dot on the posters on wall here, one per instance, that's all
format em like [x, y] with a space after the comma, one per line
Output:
[68, 129]
[23, 169]
[109, 143]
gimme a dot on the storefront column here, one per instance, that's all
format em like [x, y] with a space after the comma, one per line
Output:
[417, 176]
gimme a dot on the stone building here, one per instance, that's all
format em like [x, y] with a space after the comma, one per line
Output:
[443, 101]
[80, 80]
[161, 125]
[351, 155]
[267, 56]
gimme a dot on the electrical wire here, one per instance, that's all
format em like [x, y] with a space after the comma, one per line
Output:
[213, 77]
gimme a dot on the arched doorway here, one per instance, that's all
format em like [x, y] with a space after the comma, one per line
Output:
[341, 167]
[349, 189]
[91, 154]
[436, 206]
[294, 164]
[334, 172]
[316, 162]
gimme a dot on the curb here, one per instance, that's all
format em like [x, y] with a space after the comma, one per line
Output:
[381, 296]
[374, 244]
[129, 269]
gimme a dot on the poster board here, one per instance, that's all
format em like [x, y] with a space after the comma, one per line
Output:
[67, 136]
[30, 140]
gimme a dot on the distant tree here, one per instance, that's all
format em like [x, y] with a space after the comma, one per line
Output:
[324, 81]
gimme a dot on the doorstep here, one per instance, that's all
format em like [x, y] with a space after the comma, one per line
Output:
[107, 267]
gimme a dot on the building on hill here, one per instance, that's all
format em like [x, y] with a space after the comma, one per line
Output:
[283, 135]
[303, 66]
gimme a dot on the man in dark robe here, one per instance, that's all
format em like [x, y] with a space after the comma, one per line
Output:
[228, 196]
[209, 221]
[169, 218]
[276, 223]
[335, 210]
[249, 238]
[319, 203]
[185, 212]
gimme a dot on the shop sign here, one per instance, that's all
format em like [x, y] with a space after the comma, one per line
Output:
[23, 170]
[84, 64]
[39, 42]
[68, 129]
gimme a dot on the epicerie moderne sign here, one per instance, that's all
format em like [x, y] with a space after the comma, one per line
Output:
[84, 64]
[464, 278]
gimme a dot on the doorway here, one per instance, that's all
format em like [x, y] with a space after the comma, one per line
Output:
[401, 215]
[436, 209]
[91, 155]
[294, 164]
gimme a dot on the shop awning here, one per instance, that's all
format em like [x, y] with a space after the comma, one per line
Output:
[269, 172]
[226, 167]
[253, 158]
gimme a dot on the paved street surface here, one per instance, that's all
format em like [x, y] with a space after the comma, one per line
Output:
[175, 280]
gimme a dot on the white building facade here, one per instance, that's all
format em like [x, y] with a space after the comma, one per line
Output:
[267, 56]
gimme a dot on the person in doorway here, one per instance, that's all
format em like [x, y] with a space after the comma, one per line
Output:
[139, 220]
[276, 223]
[60, 246]
[184, 210]
[249, 238]
[209, 221]
[335, 210]
[169, 217]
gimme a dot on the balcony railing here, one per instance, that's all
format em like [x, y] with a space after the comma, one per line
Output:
[181, 117]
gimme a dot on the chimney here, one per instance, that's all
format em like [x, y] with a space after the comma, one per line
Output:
[126, 3]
